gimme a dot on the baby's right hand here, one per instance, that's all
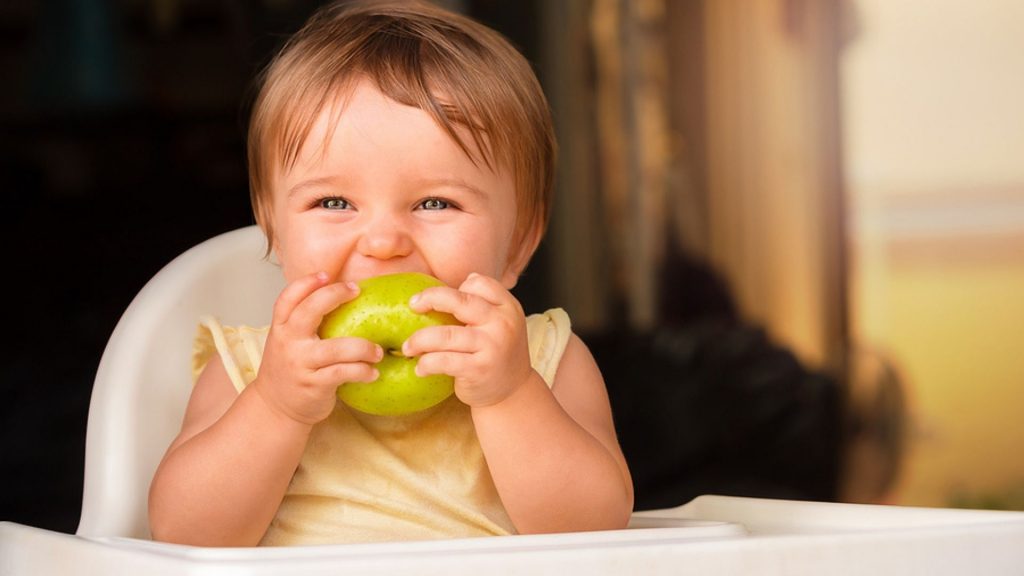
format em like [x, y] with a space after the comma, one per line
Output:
[300, 373]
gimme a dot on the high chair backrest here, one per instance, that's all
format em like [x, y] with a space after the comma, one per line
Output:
[144, 378]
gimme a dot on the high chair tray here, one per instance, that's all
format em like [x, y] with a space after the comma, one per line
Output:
[710, 535]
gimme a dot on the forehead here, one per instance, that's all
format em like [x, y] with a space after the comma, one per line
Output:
[361, 114]
[310, 121]
[361, 128]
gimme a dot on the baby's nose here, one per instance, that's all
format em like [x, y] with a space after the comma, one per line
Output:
[385, 238]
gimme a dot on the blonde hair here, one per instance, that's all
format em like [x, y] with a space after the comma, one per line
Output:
[455, 69]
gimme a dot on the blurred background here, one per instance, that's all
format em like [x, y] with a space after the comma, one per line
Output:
[791, 231]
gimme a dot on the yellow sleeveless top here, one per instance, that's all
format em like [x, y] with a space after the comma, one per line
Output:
[367, 478]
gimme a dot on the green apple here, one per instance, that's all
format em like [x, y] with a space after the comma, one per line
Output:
[381, 314]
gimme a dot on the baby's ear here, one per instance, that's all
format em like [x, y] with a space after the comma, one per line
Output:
[519, 256]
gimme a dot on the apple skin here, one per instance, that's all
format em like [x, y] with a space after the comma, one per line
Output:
[381, 314]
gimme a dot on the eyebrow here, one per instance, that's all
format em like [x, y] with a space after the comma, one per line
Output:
[450, 182]
[312, 183]
[423, 183]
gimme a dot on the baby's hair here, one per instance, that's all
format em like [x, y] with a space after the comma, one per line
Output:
[460, 72]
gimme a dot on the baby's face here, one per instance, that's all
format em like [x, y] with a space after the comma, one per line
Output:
[391, 192]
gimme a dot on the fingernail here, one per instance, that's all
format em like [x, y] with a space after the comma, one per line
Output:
[375, 374]
[352, 286]
[380, 353]
[321, 276]
[415, 298]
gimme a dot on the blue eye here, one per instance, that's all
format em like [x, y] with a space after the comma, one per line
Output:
[334, 203]
[434, 204]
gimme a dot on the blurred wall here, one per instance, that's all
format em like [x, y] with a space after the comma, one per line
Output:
[708, 129]
[934, 154]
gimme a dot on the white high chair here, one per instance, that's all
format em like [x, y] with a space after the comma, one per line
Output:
[142, 383]
[140, 393]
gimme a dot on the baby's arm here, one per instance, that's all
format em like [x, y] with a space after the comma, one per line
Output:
[222, 479]
[552, 452]
[224, 476]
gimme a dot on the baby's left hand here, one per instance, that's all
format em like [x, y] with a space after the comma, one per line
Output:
[489, 357]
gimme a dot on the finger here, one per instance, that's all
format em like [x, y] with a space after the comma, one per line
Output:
[338, 374]
[486, 288]
[441, 338]
[310, 312]
[467, 308]
[450, 363]
[294, 293]
[345, 349]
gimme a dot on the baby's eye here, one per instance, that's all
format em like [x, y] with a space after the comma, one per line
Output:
[434, 204]
[333, 203]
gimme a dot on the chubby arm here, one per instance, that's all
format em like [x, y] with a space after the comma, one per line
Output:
[222, 479]
[552, 452]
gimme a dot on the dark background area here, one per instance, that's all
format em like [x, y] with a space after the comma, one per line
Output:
[122, 134]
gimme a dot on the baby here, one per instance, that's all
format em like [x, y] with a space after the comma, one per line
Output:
[395, 137]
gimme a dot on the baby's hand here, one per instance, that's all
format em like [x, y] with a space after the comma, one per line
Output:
[489, 357]
[300, 373]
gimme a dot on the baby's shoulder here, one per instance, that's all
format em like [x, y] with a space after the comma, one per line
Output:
[548, 334]
[240, 349]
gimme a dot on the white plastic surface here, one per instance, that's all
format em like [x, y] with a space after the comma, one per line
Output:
[711, 535]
